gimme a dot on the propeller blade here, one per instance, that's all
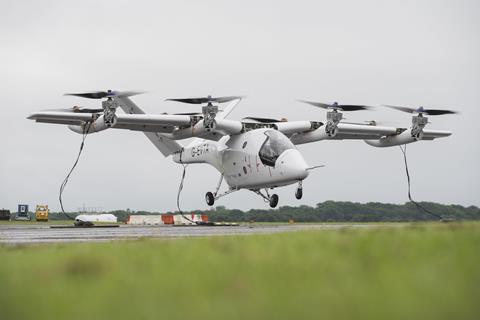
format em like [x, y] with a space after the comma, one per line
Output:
[190, 100]
[262, 120]
[375, 123]
[316, 104]
[104, 94]
[432, 112]
[438, 112]
[227, 99]
[89, 95]
[344, 107]
[361, 123]
[78, 110]
[404, 109]
[206, 99]
[124, 94]
[351, 107]
[188, 114]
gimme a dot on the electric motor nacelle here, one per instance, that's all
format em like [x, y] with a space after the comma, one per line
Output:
[288, 128]
[98, 125]
[405, 137]
[227, 127]
[316, 135]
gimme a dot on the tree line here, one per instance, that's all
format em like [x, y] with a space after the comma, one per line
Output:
[328, 211]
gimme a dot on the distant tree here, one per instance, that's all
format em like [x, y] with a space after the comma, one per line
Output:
[328, 211]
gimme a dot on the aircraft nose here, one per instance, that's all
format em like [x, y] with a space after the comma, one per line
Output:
[293, 165]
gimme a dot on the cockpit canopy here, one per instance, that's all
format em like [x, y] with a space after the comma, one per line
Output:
[275, 144]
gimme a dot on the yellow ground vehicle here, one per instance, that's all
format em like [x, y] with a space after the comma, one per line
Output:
[41, 212]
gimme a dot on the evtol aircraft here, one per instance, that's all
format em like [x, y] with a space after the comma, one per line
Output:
[255, 154]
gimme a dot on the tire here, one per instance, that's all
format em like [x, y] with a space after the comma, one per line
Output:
[273, 200]
[209, 198]
[299, 193]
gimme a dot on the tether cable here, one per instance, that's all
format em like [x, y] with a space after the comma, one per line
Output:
[404, 151]
[86, 128]
[180, 188]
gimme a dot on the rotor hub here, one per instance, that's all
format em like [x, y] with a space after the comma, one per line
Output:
[109, 108]
[333, 119]
[209, 112]
[418, 124]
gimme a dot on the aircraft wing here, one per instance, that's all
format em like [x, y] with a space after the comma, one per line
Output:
[379, 136]
[175, 127]
[122, 119]
[359, 131]
[57, 117]
[178, 127]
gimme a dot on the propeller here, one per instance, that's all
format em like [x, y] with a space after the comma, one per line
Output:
[209, 111]
[422, 110]
[104, 94]
[336, 106]
[374, 123]
[77, 109]
[363, 123]
[208, 99]
[264, 120]
[187, 114]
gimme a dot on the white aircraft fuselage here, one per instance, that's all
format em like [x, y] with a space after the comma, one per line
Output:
[257, 159]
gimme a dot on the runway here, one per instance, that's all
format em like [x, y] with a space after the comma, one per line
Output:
[32, 234]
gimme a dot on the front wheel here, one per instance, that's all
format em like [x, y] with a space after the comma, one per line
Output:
[210, 198]
[273, 201]
[299, 193]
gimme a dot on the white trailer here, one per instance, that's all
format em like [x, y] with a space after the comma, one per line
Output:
[145, 220]
[180, 220]
[107, 217]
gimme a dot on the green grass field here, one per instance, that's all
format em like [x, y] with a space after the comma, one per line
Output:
[425, 271]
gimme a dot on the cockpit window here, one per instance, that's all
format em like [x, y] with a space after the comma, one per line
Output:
[275, 144]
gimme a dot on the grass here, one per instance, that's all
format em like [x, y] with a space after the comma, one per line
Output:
[425, 271]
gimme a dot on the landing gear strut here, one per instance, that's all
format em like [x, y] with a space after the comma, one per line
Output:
[210, 197]
[271, 199]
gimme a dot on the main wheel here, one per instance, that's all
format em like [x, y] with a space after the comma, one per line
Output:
[299, 193]
[210, 198]
[273, 200]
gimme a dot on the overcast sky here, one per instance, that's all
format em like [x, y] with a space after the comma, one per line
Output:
[370, 52]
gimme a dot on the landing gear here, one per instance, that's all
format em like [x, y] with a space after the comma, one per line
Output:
[299, 192]
[209, 197]
[273, 201]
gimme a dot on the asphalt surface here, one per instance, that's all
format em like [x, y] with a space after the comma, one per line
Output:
[30, 234]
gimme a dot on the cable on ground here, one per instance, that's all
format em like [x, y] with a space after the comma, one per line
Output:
[86, 128]
[180, 188]
[404, 151]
